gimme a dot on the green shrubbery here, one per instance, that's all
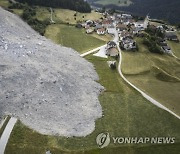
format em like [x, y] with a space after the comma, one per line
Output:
[28, 16]
[77, 5]
[151, 43]
[152, 38]
[15, 5]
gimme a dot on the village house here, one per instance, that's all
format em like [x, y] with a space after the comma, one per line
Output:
[125, 34]
[171, 36]
[98, 26]
[111, 44]
[161, 28]
[86, 26]
[121, 27]
[126, 16]
[101, 31]
[140, 25]
[112, 64]
[110, 29]
[113, 52]
[90, 22]
[129, 22]
[162, 42]
[97, 22]
[166, 49]
[89, 31]
[107, 23]
[127, 43]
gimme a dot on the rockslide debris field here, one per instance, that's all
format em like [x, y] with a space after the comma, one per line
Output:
[50, 88]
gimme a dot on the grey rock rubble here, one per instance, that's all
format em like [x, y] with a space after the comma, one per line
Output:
[50, 88]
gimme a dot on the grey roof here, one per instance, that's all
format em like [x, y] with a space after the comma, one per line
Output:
[166, 48]
[111, 43]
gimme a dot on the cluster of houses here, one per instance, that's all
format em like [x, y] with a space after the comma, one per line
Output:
[169, 34]
[127, 28]
[124, 24]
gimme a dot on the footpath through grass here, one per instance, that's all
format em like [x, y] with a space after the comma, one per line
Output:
[126, 113]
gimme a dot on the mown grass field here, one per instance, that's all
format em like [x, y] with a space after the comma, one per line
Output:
[157, 75]
[115, 2]
[75, 38]
[126, 113]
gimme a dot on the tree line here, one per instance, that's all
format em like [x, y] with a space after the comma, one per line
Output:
[77, 5]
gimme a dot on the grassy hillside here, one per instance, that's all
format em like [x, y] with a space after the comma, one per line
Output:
[126, 113]
[70, 36]
[4, 3]
[157, 75]
[66, 16]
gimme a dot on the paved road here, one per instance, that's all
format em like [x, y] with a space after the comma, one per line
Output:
[6, 134]
[158, 104]
[136, 88]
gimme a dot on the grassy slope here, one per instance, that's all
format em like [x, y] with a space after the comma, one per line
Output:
[75, 38]
[126, 113]
[4, 3]
[162, 84]
[115, 2]
[66, 16]
[70, 36]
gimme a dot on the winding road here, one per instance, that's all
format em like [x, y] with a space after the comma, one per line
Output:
[146, 96]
